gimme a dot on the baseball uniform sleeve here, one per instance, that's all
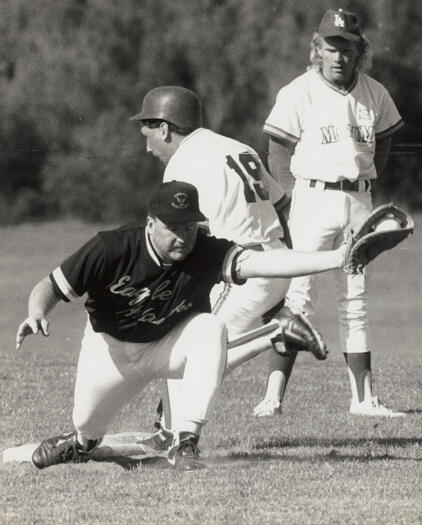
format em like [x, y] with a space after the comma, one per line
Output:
[216, 259]
[389, 120]
[79, 272]
[284, 121]
[229, 270]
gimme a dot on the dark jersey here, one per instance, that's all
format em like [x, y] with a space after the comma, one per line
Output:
[131, 295]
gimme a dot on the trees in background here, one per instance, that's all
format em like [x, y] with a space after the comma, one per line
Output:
[73, 72]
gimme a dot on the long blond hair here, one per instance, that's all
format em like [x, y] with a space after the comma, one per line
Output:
[363, 61]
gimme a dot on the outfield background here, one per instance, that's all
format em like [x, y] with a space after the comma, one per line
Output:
[73, 72]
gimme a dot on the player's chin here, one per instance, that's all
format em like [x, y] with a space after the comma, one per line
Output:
[339, 74]
[179, 254]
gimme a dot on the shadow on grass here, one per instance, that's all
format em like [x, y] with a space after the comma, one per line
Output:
[341, 442]
[333, 456]
[364, 448]
[364, 454]
[250, 460]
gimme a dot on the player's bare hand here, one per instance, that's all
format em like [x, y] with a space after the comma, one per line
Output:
[31, 325]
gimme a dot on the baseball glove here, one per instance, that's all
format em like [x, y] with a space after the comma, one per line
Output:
[297, 333]
[367, 243]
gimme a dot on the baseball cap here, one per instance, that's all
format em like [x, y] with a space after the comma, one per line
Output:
[176, 202]
[337, 22]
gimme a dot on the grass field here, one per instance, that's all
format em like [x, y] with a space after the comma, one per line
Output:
[314, 465]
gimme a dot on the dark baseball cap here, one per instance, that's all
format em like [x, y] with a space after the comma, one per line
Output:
[337, 22]
[176, 202]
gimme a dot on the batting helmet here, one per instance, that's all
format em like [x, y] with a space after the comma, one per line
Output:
[174, 104]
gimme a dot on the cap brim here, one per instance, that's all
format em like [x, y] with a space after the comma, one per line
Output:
[342, 34]
[195, 217]
[136, 117]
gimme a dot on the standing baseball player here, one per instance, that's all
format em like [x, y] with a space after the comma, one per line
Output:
[330, 133]
[236, 194]
[148, 317]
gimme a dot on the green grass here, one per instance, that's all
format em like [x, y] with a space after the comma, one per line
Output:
[314, 465]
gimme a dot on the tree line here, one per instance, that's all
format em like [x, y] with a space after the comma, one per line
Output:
[72, 72]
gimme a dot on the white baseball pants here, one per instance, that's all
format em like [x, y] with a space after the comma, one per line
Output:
[319, 220]
[111, 372]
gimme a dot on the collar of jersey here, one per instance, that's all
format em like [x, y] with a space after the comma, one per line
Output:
[153, 253]
[194, 132]
[343, 92]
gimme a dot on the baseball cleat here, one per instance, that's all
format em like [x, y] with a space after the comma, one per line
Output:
[298, 333]
[373, 407]
[267, 408]
[185, 456]
[160, 440]
[60, 449]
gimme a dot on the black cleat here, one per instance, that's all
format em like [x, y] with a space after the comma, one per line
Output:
[160, 440]
[185, 456]
[60, 449]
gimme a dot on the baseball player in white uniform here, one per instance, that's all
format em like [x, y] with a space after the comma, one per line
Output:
[149, 317]
[331, 129]
[236, 194]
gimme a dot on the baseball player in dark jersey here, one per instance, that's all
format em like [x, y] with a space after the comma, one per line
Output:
[149, 317]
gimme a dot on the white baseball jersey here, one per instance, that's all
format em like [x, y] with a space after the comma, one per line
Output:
[235, 190]
[236, 194]
[334, 132]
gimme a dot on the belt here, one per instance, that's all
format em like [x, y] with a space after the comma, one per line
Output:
[342, 185]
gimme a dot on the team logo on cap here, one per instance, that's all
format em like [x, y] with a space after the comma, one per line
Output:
[181, 201]
[338, 20]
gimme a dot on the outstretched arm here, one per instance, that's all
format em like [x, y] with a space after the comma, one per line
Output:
[288, 263]
[41, 301]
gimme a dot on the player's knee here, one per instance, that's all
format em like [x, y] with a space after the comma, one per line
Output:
[210, 327]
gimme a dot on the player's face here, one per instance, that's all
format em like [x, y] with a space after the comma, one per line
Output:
[156, 134]
[338, 60]
[172, 242]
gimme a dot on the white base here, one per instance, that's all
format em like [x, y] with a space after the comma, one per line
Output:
[123, 444]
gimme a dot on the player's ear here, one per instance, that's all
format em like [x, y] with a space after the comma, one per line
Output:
[165, 130]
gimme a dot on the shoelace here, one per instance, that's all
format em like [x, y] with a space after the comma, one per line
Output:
[188, 448]
[68, 452]
[73, 451]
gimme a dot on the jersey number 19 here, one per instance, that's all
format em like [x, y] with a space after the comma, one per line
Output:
[250, 172]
